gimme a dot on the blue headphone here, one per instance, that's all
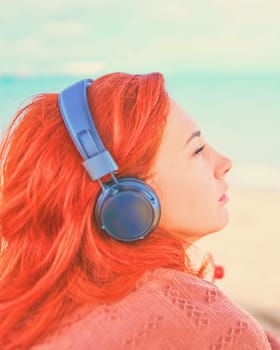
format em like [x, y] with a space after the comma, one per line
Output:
[126, 208]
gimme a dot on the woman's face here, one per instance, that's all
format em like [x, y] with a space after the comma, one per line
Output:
[189, 179]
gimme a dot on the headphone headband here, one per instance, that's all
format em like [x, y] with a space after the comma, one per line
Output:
[79, 122]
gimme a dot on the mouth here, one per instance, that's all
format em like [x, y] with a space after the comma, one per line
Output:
[224, 198]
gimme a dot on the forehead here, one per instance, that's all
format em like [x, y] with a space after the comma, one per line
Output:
[180, 125]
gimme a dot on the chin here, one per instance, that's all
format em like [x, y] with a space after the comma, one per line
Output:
[221, 224]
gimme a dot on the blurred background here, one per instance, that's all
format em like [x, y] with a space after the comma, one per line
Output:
[221, 62]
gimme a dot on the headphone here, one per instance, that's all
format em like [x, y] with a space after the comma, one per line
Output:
[126, 208]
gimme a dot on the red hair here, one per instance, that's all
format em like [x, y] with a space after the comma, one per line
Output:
[57, 259]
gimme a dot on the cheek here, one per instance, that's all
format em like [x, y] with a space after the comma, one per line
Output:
[181, 199]
[189, 203]
[196, 201]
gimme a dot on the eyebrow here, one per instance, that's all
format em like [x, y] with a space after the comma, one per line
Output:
[193, 135]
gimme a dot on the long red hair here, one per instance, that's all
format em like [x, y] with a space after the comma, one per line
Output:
[56, 258]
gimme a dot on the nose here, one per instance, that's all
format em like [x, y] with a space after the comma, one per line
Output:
[223, 166]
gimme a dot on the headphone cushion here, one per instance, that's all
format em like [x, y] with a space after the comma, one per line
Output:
[127, 210]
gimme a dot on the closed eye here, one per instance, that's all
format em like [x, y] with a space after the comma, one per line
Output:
[200, 149]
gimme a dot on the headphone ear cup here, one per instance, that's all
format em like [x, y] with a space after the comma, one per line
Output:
[127, 210]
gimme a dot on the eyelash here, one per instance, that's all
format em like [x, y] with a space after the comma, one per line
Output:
[199, 150]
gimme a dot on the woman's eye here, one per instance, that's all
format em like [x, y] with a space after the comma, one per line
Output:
[199, 150]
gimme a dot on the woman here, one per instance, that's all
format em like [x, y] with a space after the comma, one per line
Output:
[69, 277]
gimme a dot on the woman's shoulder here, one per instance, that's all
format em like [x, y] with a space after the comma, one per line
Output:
[168, 310]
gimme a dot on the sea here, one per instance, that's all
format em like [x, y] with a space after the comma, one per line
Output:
[238, 114]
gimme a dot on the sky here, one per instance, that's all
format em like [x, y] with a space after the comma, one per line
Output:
[89, 37]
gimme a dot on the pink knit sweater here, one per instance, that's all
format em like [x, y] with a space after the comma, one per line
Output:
[168, 310]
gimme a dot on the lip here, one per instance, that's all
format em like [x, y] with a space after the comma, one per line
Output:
[224, 198]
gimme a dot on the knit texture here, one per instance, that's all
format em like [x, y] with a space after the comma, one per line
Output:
[168, 310]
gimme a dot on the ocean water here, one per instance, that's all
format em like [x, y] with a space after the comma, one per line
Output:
[239, 114]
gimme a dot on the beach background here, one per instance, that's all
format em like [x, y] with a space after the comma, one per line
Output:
[221, 61]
